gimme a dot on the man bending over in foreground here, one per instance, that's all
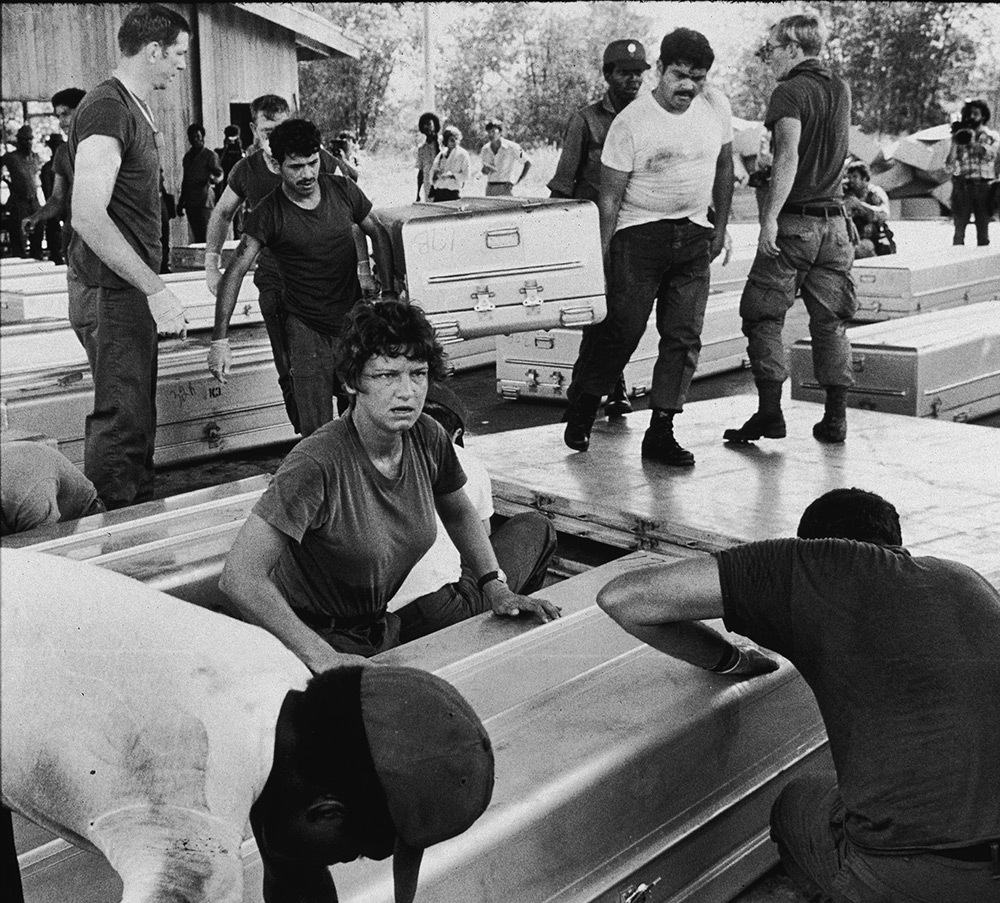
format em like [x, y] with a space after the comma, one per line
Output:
[902, 656]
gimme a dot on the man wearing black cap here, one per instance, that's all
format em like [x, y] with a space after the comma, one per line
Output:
[157, 752]
[578, 172]
[667, 159]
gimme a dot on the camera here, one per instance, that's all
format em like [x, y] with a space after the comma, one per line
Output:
[962, 132]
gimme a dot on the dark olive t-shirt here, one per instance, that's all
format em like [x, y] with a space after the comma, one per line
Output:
[903, 656]
[314, 250]
[134, 207]
[253, 181]
[355, 533]
[821, 101]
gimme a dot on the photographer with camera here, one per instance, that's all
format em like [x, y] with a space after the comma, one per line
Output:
[972, 162]
[868, 207]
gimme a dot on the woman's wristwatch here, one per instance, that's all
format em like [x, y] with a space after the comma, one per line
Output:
[490, 576]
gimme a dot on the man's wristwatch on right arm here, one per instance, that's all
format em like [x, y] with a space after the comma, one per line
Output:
[489, 577]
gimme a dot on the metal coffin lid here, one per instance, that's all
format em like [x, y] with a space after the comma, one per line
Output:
[462, 248]
[910, 274]
[608, 754]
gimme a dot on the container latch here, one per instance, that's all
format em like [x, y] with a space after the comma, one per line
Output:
[531, 290]
[482, 298]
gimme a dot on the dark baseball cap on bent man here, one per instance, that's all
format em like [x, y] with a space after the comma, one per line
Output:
[626, 54]
[432, 757]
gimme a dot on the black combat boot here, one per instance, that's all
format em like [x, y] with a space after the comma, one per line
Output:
[579, 419]
[768, 422]
[659, 444]
[833, 427]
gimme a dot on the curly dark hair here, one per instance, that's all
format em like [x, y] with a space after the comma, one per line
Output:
[68, 97]
[295, 138]
[980, 105]
[390, 328]
[852, 514]
[684, 45]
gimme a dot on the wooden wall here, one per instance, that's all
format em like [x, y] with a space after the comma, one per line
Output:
[235, 57]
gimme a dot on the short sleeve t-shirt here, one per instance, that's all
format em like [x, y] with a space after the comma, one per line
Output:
[901, 654]
[671, 157]
[503, 161]
[443, 563]
[40, 486]
[821, 101]
[253, 181]
[134, 207]
[314, 250]
[355, 533]
[137, 724]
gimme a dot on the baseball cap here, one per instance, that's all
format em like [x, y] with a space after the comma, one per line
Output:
[627, 53]
[432, 757]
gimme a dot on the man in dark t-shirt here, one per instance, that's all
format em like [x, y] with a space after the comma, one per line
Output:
[82, 298]
[306, 224]
[115, 150]
[250, 181]
[901, 655]
[202, 170]
[804, 238]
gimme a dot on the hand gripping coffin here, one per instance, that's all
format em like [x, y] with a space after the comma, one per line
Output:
[495, 266]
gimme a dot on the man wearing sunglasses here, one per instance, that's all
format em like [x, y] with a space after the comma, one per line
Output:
[804, 238]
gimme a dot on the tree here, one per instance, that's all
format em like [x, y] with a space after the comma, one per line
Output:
[351, 94]
[905, 62]
[531, 65]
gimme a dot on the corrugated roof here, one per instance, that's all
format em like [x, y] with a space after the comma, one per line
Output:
[312, 31]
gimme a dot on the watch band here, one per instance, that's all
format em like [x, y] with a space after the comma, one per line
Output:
[490, 576]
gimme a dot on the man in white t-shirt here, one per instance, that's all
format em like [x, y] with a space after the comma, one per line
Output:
[499, 156]
[666, 160]
[163, 735]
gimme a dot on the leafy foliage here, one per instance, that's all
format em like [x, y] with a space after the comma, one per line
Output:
[352, 94]
[905, 62]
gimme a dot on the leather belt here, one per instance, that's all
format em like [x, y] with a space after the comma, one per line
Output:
[825, 210]
[980, 852]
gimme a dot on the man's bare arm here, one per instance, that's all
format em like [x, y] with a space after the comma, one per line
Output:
[722, 197]
[53, 208]
[609, 202]
[215, 235]
[98, 159]
[662, 605]
[787, 132]
[246, 580]
[382, 249]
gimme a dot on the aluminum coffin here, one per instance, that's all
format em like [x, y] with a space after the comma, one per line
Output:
[942, 364]
[540, 364]
[197, 417]
[493, 266]
[919, 281]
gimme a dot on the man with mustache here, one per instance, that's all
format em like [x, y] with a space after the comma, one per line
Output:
[666, 160]
[306, 223]
[578, 172]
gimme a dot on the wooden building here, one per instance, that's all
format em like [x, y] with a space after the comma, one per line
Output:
[238, 52]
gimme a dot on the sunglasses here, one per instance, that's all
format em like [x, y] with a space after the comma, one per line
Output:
[767, 51]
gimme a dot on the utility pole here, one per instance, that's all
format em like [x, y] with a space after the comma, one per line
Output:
[429, 100]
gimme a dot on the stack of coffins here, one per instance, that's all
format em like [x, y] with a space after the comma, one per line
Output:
[943, 364]
[922, 278]
[197, 417]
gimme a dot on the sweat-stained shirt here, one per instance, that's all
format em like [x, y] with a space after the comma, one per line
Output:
[136, 724]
